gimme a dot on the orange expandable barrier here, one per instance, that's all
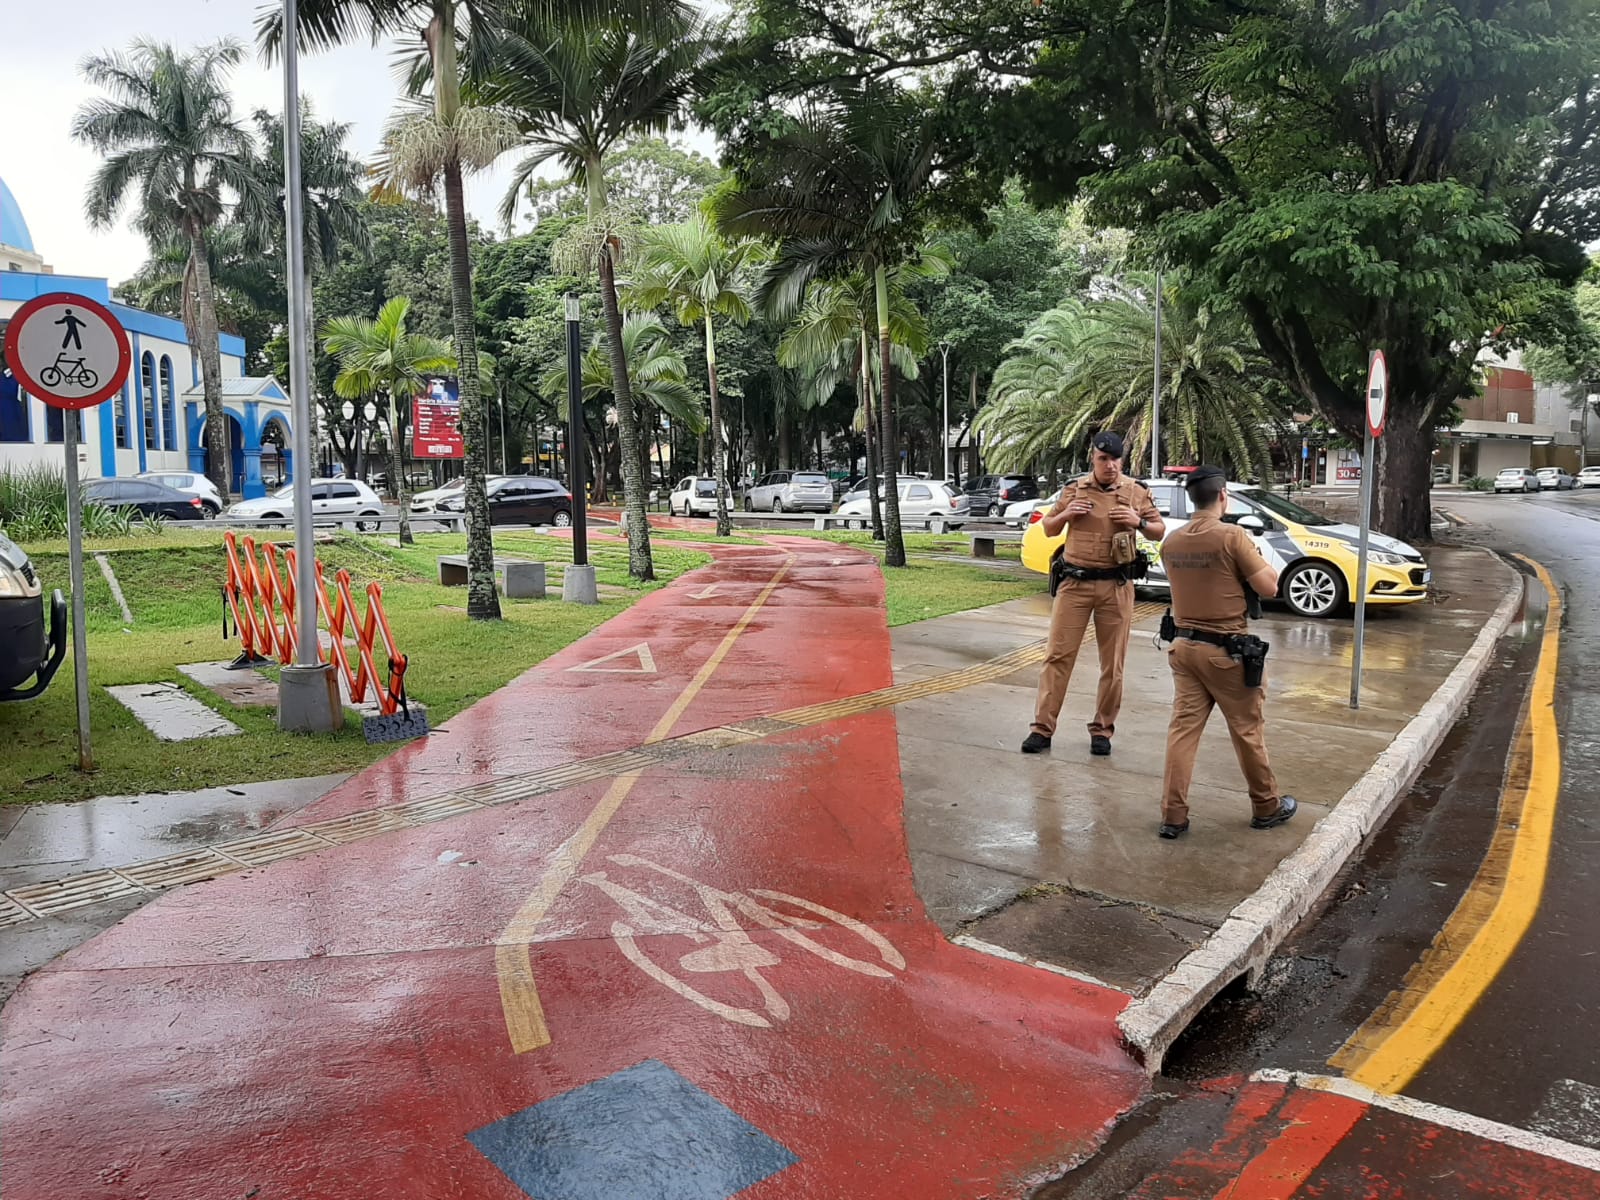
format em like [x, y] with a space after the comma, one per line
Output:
[261, 598]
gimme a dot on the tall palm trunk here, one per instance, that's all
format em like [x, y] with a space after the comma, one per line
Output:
[874, 470]
[719, 465]
[640, 565]
[219, 467]
[483, 601]
[397, 476]
[894, 549]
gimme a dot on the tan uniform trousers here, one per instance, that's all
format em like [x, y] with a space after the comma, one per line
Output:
[1111, 605]
[1204, 676]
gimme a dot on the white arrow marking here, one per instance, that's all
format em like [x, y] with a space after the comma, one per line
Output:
[837, 561]
[641, 652]
[705, 593]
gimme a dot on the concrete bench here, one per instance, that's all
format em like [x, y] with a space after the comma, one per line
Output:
[983, 544]
[518, 580]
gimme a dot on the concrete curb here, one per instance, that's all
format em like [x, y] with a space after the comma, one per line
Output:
[1259, 924]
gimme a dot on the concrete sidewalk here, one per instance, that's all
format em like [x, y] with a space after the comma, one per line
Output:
[1055, 858]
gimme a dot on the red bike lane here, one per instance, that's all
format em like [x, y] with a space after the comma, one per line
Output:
[702, 975]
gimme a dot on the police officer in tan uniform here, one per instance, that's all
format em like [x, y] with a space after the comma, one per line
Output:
[1210, 563]
[1094, 583]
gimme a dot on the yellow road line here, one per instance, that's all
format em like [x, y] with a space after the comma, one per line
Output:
[519, 995]
[1394, 1045]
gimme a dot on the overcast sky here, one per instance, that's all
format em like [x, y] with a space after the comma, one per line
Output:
[45, 40]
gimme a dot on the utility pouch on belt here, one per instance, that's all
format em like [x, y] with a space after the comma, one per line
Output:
[1124, 547]
[1251, 653]
[1169, 628]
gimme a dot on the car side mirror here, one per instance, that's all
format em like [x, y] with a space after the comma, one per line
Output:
[1253, 524]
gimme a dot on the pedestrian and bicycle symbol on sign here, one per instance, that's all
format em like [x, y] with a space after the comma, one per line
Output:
[68, 350]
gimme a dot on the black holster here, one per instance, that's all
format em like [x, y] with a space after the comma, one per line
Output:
[1251, 654]
[1169, 628]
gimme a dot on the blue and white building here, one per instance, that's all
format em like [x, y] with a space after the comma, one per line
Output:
[157, 421]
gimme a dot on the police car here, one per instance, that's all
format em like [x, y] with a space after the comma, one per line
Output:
[1316, 558]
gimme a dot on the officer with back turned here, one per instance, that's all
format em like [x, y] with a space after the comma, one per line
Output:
[1103, 513]
[1215, 662]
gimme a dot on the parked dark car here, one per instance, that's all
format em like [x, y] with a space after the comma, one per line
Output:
[529, 500]
[144, 499]
[988, 495]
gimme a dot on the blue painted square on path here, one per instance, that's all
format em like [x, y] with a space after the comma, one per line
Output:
[645, 1133]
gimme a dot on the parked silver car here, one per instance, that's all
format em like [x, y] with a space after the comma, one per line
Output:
[918, 498]
[790, 491]
[1556, 479]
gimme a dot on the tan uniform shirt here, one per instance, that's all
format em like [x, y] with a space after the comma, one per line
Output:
[1207, 562]
[1089, 537]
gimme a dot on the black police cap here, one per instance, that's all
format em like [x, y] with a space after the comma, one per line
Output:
[1108, 443]
[1201, 474]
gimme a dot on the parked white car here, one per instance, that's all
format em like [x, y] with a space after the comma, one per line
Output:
[695, 496]
[918, 498]
[428, 501]
[190, 483]
[329, 498]
[1021, 513]
[1555, 479]
[790, 491]
[1589, 477]
[1516, 479]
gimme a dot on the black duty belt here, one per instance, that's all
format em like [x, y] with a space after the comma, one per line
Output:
[1089, 574]
[1225, 640]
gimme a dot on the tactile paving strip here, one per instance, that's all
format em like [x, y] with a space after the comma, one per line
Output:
[23, 904]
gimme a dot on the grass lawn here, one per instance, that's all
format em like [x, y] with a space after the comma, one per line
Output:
[173, 585]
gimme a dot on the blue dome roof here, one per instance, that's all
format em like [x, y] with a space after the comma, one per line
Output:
[13, 228]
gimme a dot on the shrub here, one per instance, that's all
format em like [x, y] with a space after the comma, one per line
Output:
[1478, 483]
[33, 508]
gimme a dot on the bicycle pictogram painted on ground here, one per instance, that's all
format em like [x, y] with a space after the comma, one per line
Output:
[724, 946]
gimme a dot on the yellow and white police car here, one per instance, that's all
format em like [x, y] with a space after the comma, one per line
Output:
[1316, 558]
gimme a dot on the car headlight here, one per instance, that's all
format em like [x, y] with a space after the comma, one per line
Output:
[1383, 556]
[12, 585]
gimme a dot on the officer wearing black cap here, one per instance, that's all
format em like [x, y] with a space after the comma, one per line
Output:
[1103, 513]
[1210, 564]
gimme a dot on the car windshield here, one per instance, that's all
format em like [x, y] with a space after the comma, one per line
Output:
[705, 487]
[1512, 471]
[810, 478]
[1286, 509]
[284, 493]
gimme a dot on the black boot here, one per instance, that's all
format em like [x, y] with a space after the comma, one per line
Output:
[1035, 743]
[1287, 806]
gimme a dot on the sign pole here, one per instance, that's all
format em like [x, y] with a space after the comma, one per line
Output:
[1377, 405]
[80, 635]
[1155, 398]
[580, 521]
[1367, 472]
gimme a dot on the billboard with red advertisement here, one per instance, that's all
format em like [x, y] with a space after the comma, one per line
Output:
[436, 421]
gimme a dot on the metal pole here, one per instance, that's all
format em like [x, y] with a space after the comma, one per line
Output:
[504, 467]
[1155, 408]
[580, 520]
[944, 349]
[1368, 471]
[307, 652]
[80, 636]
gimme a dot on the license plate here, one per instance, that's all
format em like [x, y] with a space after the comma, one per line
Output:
[1427, 577]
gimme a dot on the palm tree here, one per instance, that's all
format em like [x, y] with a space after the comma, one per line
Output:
[695, 271]
[1089, 365]
[846, 187]
[380, 358]
[330, 178]
[576, 93]
[423, 150]
[829, 342]
[167, 133]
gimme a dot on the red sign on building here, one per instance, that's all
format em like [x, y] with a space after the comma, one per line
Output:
[436, 422]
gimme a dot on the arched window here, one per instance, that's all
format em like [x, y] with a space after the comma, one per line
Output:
[169, 407]
[119, 414]
[13, 411]
[148, 400]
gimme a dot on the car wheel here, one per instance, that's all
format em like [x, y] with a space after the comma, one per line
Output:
[1313, 589]
[362, 525]
[777, 504]
[748, 507]
[562, 520]
[211, 511]
[994, 511]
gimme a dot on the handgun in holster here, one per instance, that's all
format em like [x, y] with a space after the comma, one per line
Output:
[1169, 628]
[1250, 652]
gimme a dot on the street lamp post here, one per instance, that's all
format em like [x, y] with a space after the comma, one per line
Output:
[944, 351]
[308, 696]
[1155, 404]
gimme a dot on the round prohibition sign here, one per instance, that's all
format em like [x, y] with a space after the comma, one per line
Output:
[68, 350]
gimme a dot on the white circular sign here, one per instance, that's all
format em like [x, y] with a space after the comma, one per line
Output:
[1377, 392]
[68, 350]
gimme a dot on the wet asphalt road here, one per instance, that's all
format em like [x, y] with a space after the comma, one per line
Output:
[1527, 1053]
